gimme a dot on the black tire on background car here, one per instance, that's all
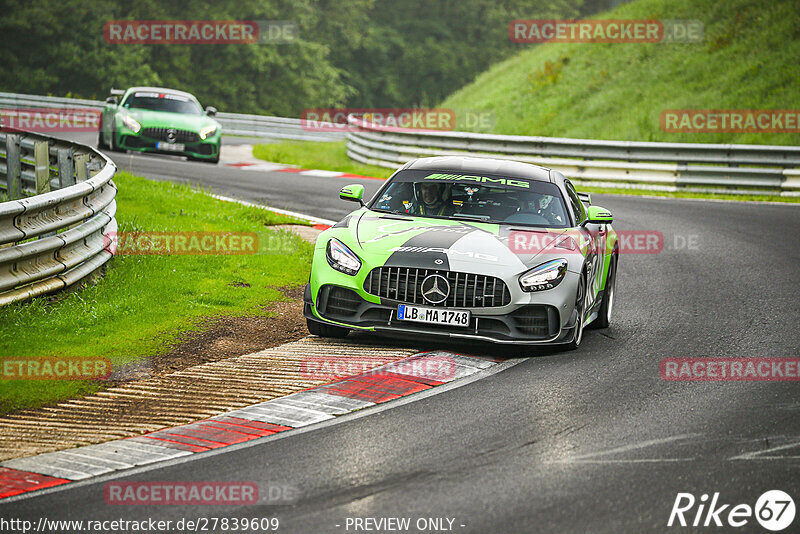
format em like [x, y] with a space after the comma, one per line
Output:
[607, 305]
[112, 146]
[580, 305]
[326, 330]
[100, 143]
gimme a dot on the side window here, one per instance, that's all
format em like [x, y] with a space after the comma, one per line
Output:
[577, 206]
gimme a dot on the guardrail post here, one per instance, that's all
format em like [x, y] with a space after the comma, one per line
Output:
[13, 173]
[81, 167]
[41, 158]
[66, 174]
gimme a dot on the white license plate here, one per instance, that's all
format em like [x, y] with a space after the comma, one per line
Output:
[170, 147]
[422, 314]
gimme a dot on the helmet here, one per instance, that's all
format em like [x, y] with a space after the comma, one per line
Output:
[543, 201]
[439, 189]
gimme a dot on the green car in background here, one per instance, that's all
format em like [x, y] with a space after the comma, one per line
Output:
[154, 119]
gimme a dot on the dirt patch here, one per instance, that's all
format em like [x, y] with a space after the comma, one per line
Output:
[309, 233]
[225, 337]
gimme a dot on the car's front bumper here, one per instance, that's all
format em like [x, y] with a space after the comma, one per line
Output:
[202, 149]
[529, 323]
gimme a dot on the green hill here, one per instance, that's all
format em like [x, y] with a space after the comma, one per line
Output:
[749, 59]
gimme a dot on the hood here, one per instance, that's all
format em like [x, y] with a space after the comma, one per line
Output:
[465, 246]
[165, 119]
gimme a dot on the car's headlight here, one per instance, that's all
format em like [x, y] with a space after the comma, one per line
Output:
[131, 123]
[342, 258]
[545, 276]
[207, 131]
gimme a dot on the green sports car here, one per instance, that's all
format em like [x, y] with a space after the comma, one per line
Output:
[467, 248]
[154, 119]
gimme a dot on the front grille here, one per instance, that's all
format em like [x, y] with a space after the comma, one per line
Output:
[467, 290]
[181, 136]
[132, 141]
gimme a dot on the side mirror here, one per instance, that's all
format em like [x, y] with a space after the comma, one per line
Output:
[598, 215]
[211, 111]
[352, 193]
[111, 100]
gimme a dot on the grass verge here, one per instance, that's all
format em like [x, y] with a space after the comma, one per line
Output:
[144, 303]
[322, 155]
[747, 59]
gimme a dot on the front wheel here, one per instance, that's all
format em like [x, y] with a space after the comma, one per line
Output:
[580, 307]
[112, 145]
[607, 305]
[326, 330]
[101, 144]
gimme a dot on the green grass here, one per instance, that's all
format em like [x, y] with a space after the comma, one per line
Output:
[748, 60]
[144, 303]
[322, 155]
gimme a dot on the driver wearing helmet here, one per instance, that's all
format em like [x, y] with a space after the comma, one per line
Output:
[546, 208]
[432, 199]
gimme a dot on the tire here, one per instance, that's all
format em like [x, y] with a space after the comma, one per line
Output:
[101, 145]
[326, 330]
[607, 306]
[112, 146]
[580, 304]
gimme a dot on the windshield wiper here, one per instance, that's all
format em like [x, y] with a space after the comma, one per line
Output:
[470, 216]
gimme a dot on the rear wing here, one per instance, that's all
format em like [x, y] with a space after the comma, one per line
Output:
[116, 92]
[586, 198]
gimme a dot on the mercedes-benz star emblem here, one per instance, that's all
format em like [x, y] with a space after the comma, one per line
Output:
[435, 288]
[172, 135]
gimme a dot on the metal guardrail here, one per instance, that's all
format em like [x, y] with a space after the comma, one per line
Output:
[64, 232]
[232, 123]
[622, 164]
[275, 127]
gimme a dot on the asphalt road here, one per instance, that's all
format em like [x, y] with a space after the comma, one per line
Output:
[305, 194]
[587, 441]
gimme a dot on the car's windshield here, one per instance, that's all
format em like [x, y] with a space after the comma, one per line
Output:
[162, 102]
[478, 197]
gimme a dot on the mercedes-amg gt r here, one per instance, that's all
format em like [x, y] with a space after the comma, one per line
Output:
[468, 248]
[154, 119]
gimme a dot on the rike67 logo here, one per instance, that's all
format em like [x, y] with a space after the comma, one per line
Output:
[774, 511]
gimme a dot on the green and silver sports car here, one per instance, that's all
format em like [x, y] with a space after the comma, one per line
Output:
[154, 119]
[469, 248]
